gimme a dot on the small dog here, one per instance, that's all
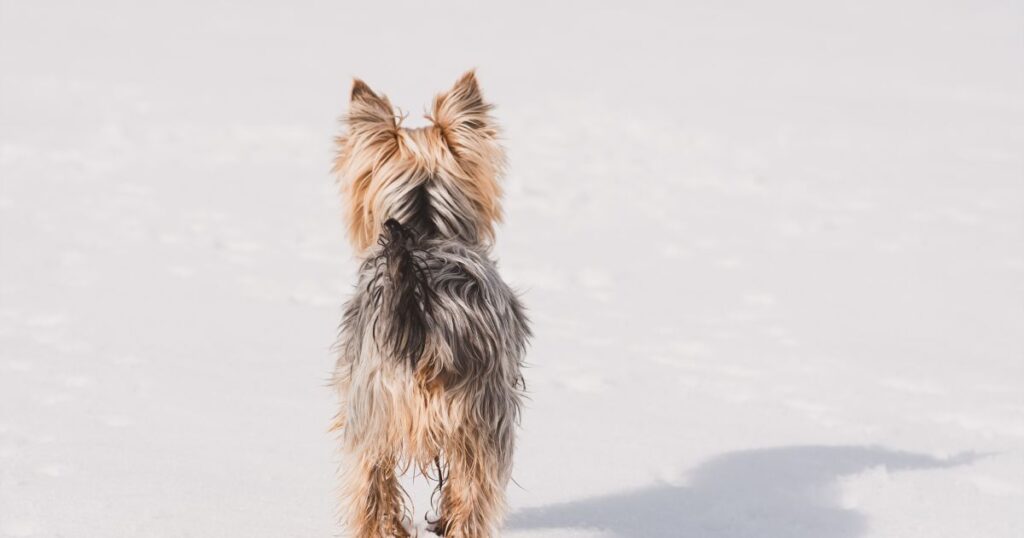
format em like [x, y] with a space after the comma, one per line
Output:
[432, 343]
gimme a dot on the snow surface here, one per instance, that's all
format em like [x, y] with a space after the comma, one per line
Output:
[774, 255]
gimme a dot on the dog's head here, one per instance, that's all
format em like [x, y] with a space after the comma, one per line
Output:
[442, 178]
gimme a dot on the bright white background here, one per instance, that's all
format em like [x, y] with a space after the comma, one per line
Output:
[773, 252]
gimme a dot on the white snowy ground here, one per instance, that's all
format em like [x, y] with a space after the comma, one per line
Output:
[774, 256]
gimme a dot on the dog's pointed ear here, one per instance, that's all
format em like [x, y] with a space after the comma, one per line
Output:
[471, 135]
[368, 111]
[464, 117]
[371, 135]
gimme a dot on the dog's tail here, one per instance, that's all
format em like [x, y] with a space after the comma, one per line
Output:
[407, 298]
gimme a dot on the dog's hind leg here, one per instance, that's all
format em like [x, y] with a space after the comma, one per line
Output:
[473, 499]
[373, 498]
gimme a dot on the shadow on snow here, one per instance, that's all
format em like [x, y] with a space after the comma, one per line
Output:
[786, 492]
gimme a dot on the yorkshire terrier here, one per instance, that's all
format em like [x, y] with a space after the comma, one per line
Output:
[432, 343]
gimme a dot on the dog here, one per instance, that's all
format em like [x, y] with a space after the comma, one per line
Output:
[431, 344]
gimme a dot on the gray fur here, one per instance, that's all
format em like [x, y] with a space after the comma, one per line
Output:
[475, 345]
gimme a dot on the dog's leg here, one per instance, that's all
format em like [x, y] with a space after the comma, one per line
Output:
[473, 500]
[438, 524]
[373, 497]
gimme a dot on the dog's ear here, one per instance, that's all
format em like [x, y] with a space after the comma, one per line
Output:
[471, 135]
[368, 112]
[371, 135]
[466, 124]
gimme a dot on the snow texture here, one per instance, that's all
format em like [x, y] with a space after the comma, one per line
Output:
[774, 255]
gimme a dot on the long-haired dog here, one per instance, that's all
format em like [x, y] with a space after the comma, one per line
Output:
[432, 342]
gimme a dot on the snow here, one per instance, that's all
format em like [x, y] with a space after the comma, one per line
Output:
[774, 256]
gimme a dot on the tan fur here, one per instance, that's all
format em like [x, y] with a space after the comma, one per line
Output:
[426, 422]
[376, 153]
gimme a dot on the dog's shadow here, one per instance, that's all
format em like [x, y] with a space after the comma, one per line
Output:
[787, 492]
